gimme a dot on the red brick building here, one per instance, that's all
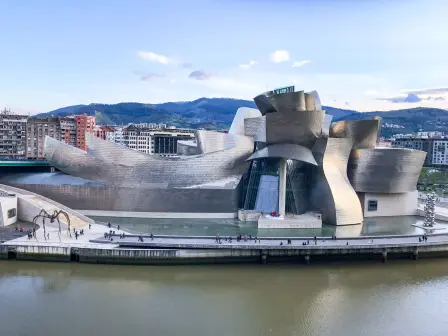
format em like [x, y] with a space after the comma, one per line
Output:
[84, 124]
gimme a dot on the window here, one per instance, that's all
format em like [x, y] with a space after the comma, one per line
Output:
[373, 205]
[12, 213]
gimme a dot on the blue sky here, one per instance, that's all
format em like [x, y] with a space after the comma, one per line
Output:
[354, 53]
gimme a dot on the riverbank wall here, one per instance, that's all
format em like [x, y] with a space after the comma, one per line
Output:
[273, 254]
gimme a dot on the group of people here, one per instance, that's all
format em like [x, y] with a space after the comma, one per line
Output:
[423, 238]
[238, 239]
[77, 234]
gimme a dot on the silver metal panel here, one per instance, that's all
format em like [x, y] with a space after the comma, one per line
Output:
[264, 104]
[187, 147]
[332, 193]
[317, 102]
[116, 165]
[326, 125]
[114, 198]
[385, 170]
[210, 141]
[242, 114]
[363, 132]
[256, 128]
[286, 151]
[291, 101]
[296, 127]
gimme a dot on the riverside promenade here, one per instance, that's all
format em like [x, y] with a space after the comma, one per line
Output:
[93, 247]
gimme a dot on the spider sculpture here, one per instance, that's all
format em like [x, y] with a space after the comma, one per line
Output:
[52, 217]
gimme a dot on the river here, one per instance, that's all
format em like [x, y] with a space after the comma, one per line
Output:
[369, 299]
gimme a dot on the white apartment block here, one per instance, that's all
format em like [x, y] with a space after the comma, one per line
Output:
[154, 141]
[12, 134]
[440, 152]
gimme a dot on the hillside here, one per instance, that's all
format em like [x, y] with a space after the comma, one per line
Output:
[410, 120]
[217, 113]
[210, 113]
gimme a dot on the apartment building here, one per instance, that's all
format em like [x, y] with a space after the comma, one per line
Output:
[155, 141]
[36, 130]
[12, 134]
[68, 130]
[84, 124]
[116, 136]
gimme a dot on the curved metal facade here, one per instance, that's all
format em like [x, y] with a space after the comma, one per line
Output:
[116, 165]
[286, 151]
[291, 101]
[256, 128]
[187, 147]
[332, 193]
[326, 165]
[243, 113]
[264, 104]
[363, 132]
[296, 127]
[385, 170]
[121, 198]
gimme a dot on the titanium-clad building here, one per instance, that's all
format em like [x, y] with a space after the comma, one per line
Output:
[284, 157]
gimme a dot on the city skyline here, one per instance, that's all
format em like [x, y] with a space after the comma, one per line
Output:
[361, 56]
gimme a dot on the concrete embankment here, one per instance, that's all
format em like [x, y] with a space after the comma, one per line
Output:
[302, 254]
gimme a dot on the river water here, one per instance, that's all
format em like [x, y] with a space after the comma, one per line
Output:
[399, 298]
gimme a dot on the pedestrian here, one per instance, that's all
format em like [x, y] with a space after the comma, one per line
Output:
[90, 226]
[109, 225]
[118, 227]
[346, 244]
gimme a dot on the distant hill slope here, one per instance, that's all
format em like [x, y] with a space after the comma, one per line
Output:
[210, 113]
[410, 120]
[217, 113]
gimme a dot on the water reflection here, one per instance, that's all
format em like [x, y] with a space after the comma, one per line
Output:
[210, 227]
[335, 299]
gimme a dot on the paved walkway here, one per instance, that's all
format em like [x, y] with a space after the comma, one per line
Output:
[186, 242]
[64, 240]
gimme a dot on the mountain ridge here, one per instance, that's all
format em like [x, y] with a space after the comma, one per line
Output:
[217, 113]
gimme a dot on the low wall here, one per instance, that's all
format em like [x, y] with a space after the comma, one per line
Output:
[23, 191]
[223, 255]
[108, 198]
[130, 214]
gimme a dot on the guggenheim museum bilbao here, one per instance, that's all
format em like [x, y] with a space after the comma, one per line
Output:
[285, 158]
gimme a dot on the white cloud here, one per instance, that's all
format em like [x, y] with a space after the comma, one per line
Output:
[248, 65]
[372, 92]
[300, 63]
[279, 56]
[430, 91]
[153, 57]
